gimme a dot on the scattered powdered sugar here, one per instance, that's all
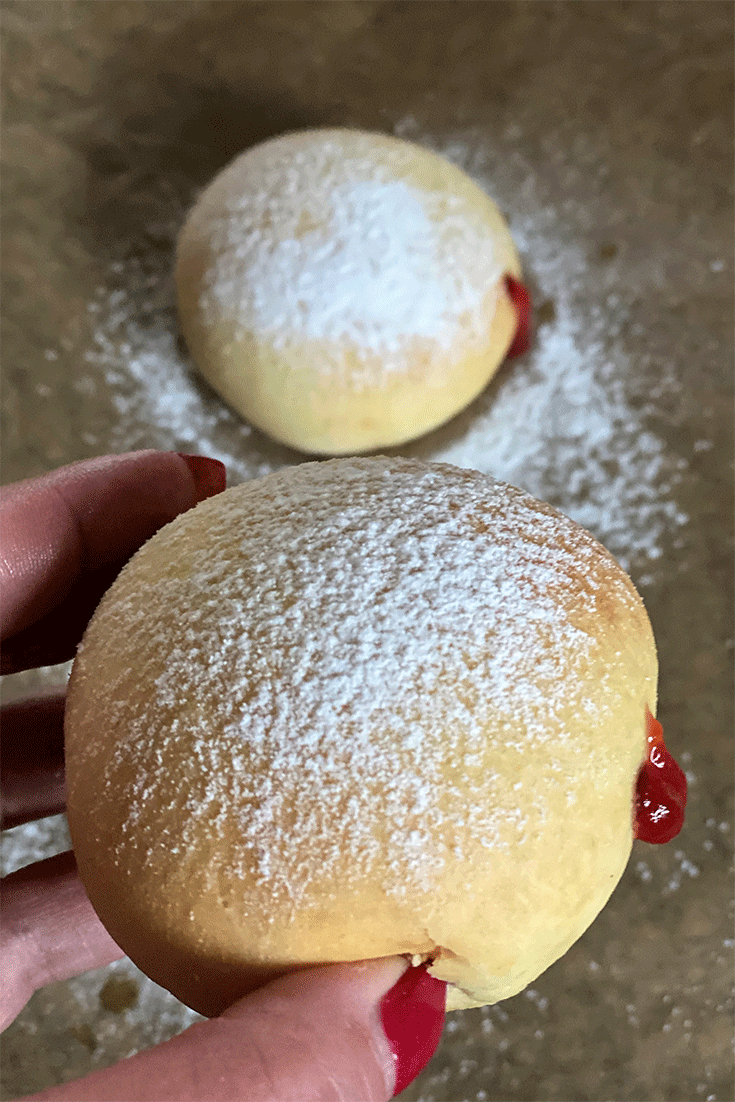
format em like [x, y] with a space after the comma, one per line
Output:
[34, 841]
[561, 428]
[559, 422]
[156, 401]
[352, 621]
[566, 422]
[316, 240]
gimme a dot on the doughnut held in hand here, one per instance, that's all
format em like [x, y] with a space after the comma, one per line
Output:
[346, 291]
[354, 709]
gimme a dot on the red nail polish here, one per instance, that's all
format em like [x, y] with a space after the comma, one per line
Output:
[412, 1015]
[210, 476]
[521, 299]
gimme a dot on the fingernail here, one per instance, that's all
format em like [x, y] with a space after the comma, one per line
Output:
[210, 476]
[521, 299]
[412, 1016]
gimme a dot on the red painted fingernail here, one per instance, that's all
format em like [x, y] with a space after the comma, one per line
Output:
[412, 1015]
[522, 301]
[210, 476]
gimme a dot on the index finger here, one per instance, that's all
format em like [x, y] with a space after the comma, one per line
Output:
[85, 517]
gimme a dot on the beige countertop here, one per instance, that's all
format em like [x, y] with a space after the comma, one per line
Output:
[604, 132]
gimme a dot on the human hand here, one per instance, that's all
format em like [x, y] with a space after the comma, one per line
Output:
[358, 1031]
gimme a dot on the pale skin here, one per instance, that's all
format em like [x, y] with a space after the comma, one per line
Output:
[311, 1035]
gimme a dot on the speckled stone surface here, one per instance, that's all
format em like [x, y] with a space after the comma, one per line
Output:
[604, 132]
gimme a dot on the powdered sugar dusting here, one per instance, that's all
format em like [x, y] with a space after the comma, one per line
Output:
[564, 422]
[22, 845]
[156, 401]
[560, 422]
[353, 620]
[319, 240]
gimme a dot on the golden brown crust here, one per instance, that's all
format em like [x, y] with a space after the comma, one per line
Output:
[353, 709]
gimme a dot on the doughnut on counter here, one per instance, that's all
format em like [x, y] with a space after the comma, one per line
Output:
[347, 291]
[357, 708]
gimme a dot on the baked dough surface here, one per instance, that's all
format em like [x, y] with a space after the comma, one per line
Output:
[352, 709]
[344, 291]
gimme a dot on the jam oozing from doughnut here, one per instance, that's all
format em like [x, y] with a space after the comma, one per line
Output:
[522, 301]
[660, 791]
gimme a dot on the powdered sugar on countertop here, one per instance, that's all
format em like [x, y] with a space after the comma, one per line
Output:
[359, 626]
[29, 842]
[561, 421]
[319, 239]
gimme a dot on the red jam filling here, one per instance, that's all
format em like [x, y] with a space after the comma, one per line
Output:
[660, 791]
[521, 299]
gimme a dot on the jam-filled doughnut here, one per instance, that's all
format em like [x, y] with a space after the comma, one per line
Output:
[346, 291]
[358, 708]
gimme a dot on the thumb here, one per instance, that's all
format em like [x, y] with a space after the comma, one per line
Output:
[341, 1032]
